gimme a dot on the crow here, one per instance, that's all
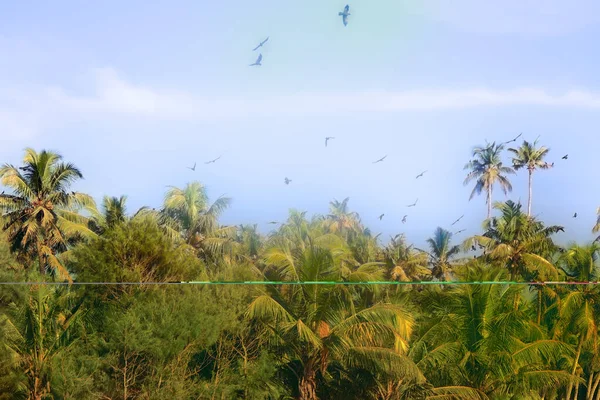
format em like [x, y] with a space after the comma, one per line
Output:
[380, 160]
[458, 219]
[565, 157]
[261, 44]
[413, 204]
[421, 174]
[212, 161]
[575, 215]
[345, 14]
[257, 62]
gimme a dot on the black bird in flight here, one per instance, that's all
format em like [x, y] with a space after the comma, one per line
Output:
[404, 219]
[514, 140]
[575, 215]
[193, 168]
[212, 161]
[273, 222]
[258, 60]
[380, 160]
[566, 156]
[287, 181]
[345, 14]
[461, 231]
[413, 204]
[327, 139]
[421, 174]
[381, 217]
[261, 44]
[461, 217]
[560, 228]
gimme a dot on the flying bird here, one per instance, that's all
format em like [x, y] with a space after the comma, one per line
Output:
[273, 222]
[345, 14]
[566, 156]
[404, 219]
[575, 215]
[461, 231]
[514, 140]
[560, 228]
[327, 139]
[212, 161]
[193, 168]
[461, 217]
[287, 181]
[413, 204]
[258, 60]
[421, 174]
[380, 160]
[261, 44]
[381, 217]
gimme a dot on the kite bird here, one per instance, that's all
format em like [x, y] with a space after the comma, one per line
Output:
[413, 204]
[327, 139]
[261, 44]
[212, 161]
[381, 217]
[380, 160]
[461, 217]
[404, 219]
[565, 157]
[287, 181]
[272, 222]
[193, 168]
[514, 140]
[575, 215]
[421, 174]
[258, 60]
[345, 14]
[461, 231]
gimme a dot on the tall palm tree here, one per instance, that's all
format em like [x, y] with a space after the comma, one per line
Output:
[487, 169]
[596, 228]
[315, 326]
[442, 254]
[531, 157]
[41, 215]
[114, 212]
[341, 219]
[403, 262]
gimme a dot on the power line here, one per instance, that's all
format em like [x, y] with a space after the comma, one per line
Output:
[330, 283]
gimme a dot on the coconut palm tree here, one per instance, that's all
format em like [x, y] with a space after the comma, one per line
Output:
[531, 157]
[41, 216]
[315, 326]
[341, 219]
[441, 254]
[403, 262]
[114, 212]
[596, 228]
[487, 169]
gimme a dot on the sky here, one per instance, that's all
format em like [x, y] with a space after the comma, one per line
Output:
[133, 92]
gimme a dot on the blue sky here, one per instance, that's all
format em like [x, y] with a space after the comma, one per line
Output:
[133, 92]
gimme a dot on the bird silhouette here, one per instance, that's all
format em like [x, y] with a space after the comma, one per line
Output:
[404, 219]
[575, 215]
[193, 168]
[380, 160]
[413, 204]
[213, 161]
[457, 220]
[345, 14]
[565, 157]
[273, 222]
[560, 228]
[461, 231]
[261, 44]
[421, 174]
[327, 139]
[381, 217]
[287, 181]
[257, 62]
[514, 140]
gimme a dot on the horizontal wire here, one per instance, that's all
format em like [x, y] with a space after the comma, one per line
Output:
[307, 283]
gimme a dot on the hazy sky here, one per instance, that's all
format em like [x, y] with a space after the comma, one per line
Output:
[134, 91]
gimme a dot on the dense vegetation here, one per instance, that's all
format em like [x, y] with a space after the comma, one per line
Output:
[286, 341]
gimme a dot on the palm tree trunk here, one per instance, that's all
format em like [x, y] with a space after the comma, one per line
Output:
[572, 381]
[539, 308]
[308, 382]
[530, 192]
[41, 258]
[489, 202]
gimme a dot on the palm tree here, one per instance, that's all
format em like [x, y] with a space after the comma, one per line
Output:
[315, 326]
[340, 219]
[487, 169]
[114, 212]
[531, 157]
[187, 214]
[596, 228]
[441, 253]
[403, 262]
[41, 216]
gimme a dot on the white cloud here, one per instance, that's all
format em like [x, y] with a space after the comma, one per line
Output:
[25, 110]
